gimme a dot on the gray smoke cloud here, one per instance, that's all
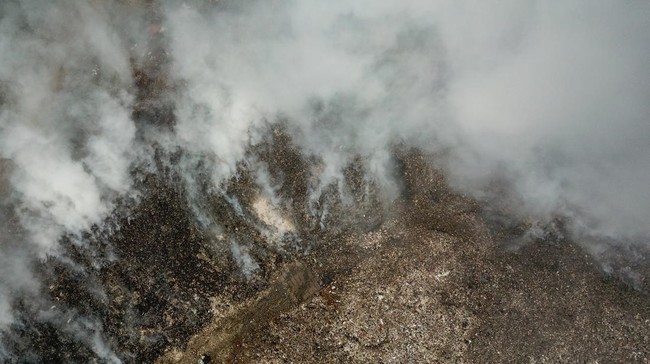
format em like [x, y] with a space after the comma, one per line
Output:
[550, 96]
[65, 129]
[553, 95]
[564, 111]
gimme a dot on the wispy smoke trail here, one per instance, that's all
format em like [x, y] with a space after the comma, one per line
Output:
[550, 97]
[65, 128]
[551, 94]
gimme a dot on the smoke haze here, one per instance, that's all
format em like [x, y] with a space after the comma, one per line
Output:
[552, 94]
[549, 97]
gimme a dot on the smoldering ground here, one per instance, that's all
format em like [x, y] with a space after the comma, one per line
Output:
[110, 110]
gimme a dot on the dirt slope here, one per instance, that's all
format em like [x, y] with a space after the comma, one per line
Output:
[435, 283]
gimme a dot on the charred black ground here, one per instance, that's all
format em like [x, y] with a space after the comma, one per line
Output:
[433, 276]
[426, 278]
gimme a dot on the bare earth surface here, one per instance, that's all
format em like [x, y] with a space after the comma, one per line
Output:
[433, 283]
[433, 276]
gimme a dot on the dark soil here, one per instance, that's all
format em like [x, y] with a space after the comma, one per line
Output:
[434, 276]
[436, 283]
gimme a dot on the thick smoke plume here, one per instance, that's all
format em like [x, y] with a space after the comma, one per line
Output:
[547, 98]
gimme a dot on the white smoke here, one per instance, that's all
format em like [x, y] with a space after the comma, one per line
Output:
[554, 94]
[551, 96]
[65, 127]
[565, 111]
[244, 260]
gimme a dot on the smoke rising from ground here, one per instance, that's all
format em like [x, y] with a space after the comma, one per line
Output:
[65, 129]
[550, 97]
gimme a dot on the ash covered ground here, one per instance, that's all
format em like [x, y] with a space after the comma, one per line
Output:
[432, 277]
[336, 239]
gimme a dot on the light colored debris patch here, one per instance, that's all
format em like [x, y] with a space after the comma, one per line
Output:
[388, 309]
[272, 216]
[372, 239]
